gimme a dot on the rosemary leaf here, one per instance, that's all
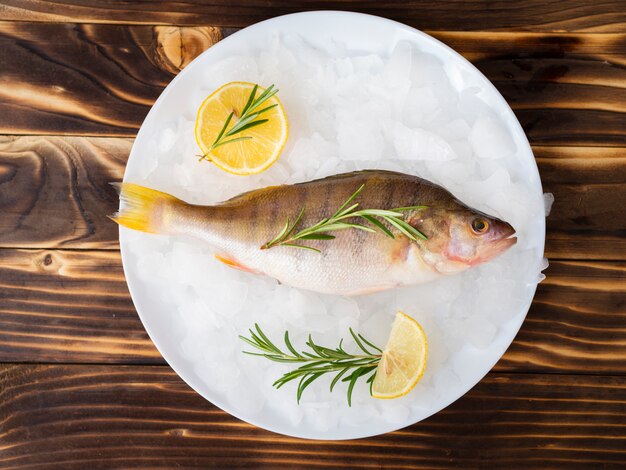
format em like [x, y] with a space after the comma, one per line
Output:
[281, 234]
[290, 346]
[317, 236]
[358, 341]
[251, 124]
[306, 247]
[318, 361]
[379, 224]
[266, 109]
[409, 208]
[295, 224]
[341, 373]
[351, 198]
[219, 136]
[338, 221]
[236, 139]
[305, 383]
[371, 345]
[249, 118]
[397, 224]
[250, 100]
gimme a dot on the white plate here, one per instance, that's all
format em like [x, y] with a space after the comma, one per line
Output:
[466, 364]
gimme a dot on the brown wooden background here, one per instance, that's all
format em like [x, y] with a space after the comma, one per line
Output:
[81, 385]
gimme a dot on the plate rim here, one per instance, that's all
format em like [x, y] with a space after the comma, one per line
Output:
[133, 289]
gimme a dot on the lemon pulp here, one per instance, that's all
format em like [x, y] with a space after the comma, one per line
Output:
[244, 157]
[403, 361]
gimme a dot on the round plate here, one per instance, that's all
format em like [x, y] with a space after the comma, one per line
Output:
[449, 377]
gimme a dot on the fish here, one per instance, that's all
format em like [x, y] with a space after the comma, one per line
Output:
[454, 237]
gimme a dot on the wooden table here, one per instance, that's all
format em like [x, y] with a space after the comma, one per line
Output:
[81, 385]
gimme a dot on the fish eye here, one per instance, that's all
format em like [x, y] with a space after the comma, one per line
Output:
[479, 225]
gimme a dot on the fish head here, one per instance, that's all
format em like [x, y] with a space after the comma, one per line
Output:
[462, 237]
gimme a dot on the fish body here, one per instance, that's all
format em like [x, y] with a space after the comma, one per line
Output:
[355, 261]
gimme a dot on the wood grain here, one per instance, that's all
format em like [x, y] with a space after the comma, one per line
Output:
[54, 192]
[556, 399]
[532, 15]
[89, 79]
[74, 306]
[581, 165]
[588, 221]
[576, 322]
[68, 306]
[80, 417]
[555, 82]
[102, 79]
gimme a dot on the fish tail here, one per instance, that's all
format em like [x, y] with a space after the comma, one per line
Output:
[143, 209]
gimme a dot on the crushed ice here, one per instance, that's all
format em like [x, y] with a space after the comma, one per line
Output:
[347, 111]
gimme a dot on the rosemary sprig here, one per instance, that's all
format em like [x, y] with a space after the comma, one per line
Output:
[338, 221]
[318, 361]
[248, 119]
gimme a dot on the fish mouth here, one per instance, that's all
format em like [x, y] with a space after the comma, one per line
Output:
[508, 242]
[496, 248]
[501, 245]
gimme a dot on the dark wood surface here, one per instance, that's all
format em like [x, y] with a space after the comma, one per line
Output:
[127, 416]
[452, 15]
[82, 386]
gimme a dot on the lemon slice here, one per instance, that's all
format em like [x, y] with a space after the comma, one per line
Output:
[404, 359]
[244, 157]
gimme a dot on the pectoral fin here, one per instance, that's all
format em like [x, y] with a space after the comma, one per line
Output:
[233, 264]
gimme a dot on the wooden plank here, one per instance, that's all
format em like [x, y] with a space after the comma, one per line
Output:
[103, 416]
[589, 170]
[89, 79]
[74, 306]
[576, 319]
[554, 82]
[532, 15]
[528, 45]
[581, 165]
[54, 192]
[102, 79]
[588, 221]
[69, 306]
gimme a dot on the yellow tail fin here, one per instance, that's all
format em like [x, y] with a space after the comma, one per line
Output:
[143, 208]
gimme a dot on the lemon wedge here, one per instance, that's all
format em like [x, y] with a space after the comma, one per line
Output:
[403, 361]
[243, 157]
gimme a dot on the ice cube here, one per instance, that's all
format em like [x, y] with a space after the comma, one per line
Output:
[421, 104]
[377, 327]
[234, 68]
[226, 298]
[359, 137]
[548, 200]
[344, 307]
[471, 107]
[411, 144]
[193, 345]
[357, 416]
[490, 139]
[480, 332]
[321, 419]
[166, 136]
[446, 381]
[396, 413]
[368, 63]
[426, 69]
[398, 68]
